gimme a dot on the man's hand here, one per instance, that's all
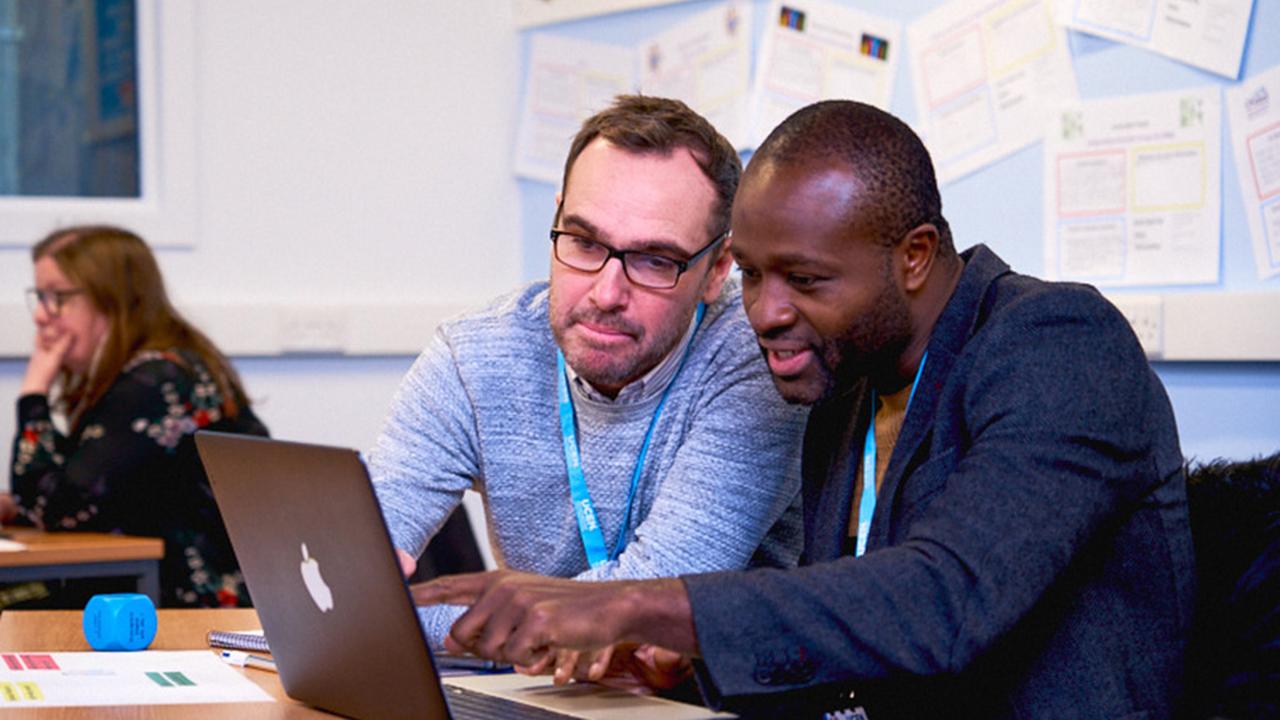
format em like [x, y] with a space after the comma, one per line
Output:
[407, 563]
[634, 668]
[566, 665]
[46, 359]
[649, 667]
[522, 619]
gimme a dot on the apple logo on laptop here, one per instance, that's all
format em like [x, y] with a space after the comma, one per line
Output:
[316, 586]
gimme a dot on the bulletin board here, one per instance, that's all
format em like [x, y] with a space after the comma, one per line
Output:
[1086, 140]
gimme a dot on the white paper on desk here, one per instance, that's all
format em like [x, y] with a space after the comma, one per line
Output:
[568, 80]
[818, 50]
[1253, 107]
[1208, 34]
[1132, 190]
[7, 545]
[706, 62]
[987, 77]
[152, 677]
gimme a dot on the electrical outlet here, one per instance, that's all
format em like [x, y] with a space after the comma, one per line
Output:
[1145, 314]
[312, 330]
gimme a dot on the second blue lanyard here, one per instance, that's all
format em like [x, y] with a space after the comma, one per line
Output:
[867, 503]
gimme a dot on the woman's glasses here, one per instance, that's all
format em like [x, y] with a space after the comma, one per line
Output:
[51, 300]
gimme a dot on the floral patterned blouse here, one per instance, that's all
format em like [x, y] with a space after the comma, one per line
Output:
[131, 467]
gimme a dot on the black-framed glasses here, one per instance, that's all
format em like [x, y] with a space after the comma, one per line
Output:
[51, 300]
[642, 268]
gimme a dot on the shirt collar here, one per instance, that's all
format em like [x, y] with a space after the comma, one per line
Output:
[649, 385]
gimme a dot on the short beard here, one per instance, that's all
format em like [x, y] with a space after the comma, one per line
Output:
[871, 348]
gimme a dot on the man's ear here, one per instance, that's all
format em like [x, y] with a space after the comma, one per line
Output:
[916, 255]
[719, 270]
[555, 223]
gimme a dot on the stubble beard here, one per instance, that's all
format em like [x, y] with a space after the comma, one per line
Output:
[607, 368]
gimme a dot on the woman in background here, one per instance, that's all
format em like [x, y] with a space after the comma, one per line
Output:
[134, 381]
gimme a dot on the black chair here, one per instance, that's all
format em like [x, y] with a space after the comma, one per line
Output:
[1234, 657]
[453, 550]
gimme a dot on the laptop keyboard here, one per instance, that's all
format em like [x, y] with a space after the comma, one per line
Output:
[468, 705]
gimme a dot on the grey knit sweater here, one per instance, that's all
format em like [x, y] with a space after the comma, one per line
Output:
[477, 410]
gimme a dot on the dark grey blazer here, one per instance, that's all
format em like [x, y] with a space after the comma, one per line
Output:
[1029, 557]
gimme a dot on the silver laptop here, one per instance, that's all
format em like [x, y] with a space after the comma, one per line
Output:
[307, 529]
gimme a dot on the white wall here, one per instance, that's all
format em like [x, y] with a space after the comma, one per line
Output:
[350, 154]
[340, 147]
[332, 401]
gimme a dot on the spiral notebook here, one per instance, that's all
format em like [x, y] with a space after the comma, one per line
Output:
[253, 640]
[256, 641]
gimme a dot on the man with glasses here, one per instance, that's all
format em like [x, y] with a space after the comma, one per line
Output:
[617, 419]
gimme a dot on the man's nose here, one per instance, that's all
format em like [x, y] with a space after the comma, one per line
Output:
[769, 307]
[611, 287]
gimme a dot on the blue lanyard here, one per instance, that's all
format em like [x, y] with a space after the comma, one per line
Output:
[867, 505]
[583, 509]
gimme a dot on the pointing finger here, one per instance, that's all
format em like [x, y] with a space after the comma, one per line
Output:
[451, 589]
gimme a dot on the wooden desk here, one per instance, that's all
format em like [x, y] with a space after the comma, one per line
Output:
[83, 554]
[60, 630]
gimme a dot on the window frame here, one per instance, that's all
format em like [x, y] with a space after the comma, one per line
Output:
[167, 210]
